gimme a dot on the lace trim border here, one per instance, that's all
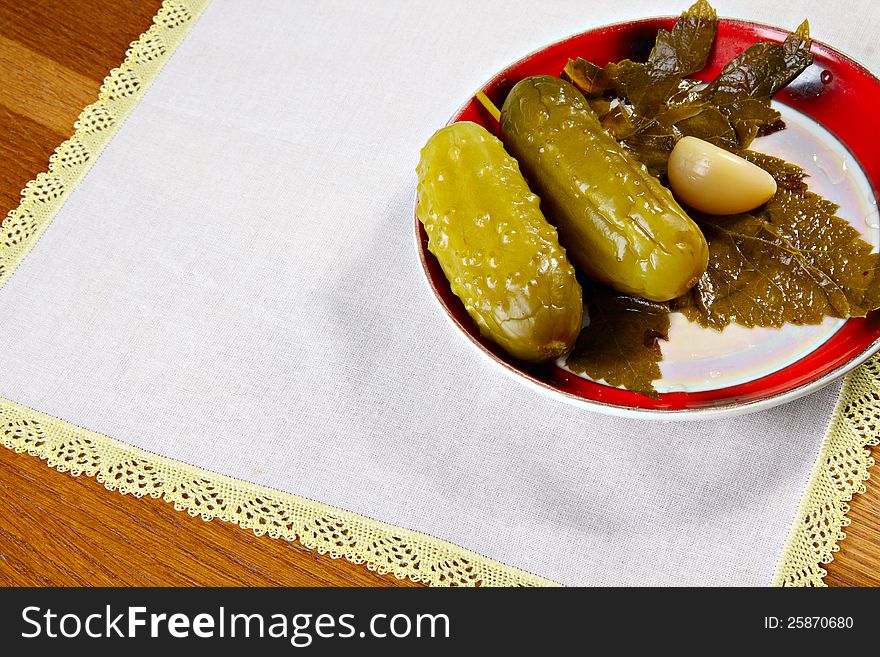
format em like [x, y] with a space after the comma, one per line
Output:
[328, 530]
[840, 470]
[121, 91]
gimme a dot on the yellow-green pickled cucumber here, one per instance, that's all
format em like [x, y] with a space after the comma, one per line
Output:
[616, 221]
[501, 256]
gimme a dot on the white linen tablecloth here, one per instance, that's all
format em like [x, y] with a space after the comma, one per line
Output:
[235, 285]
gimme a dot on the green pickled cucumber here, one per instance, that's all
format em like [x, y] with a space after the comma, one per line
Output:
[501, 256]
[616, 221]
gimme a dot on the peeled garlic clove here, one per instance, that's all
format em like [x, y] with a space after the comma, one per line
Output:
[715, 181]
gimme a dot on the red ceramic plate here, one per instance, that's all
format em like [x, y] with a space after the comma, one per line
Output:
[824, 99]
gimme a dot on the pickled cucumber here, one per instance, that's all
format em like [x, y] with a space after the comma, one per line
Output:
[501, 256]
[617, 222]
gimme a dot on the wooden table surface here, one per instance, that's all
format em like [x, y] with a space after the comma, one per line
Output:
[59, 530]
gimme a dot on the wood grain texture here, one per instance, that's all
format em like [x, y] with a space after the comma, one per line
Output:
[59, 530]
[858, 562]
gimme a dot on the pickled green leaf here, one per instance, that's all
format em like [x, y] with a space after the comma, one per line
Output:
[762, 70]
[703, 121]
[592, 80]
[788, 176]
[621, 344]
[656, 104]
[648, 85]
[743, 90]
[790, 261]
[652, 141]
[651, 146]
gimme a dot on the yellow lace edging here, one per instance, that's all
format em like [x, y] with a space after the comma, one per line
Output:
[331, 531]
[840, 471]
[97, 123]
